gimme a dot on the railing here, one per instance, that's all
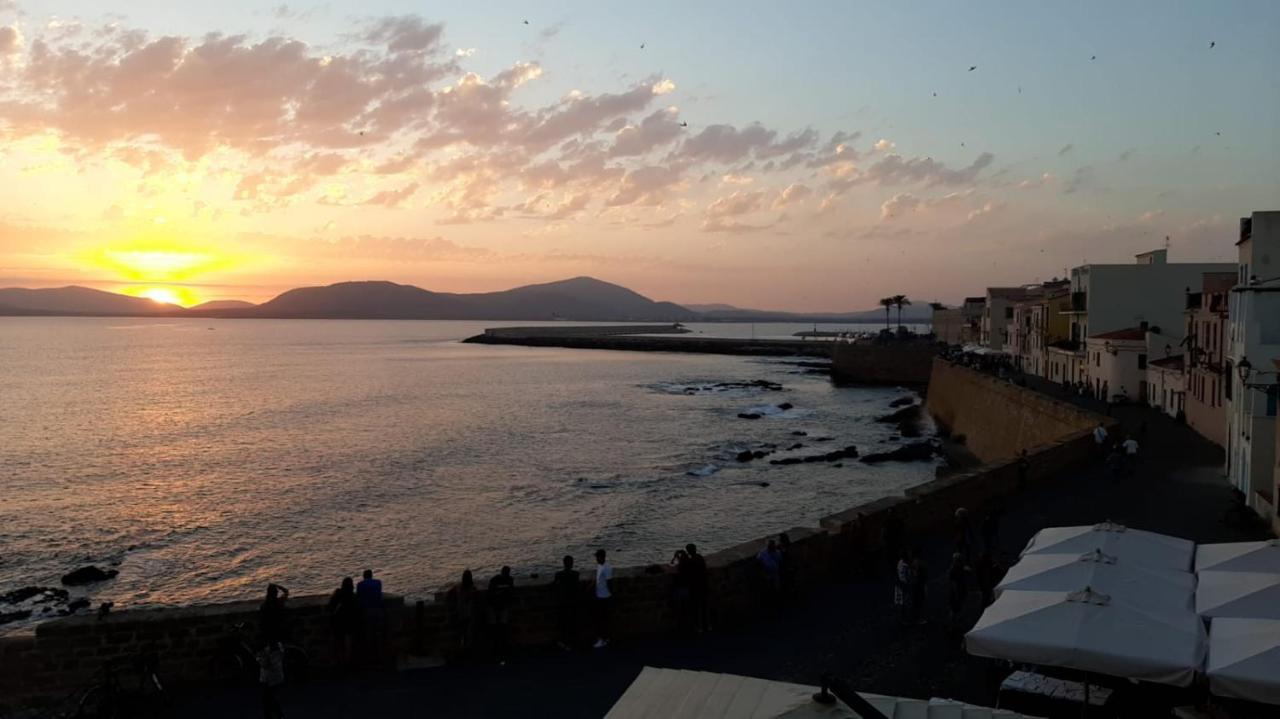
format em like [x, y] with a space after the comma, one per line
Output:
[1079, 301]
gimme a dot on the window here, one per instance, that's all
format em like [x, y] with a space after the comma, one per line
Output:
[1142, 361]
[1226, 380]
[1273, 398]
[1008, 313]
[1097, 359]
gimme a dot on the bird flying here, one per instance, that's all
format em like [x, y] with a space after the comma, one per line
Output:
[972, 68]
[684, 124]
[1211, 44]
[526, 22]
[1093, 57]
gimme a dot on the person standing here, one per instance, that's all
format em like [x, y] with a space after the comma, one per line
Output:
[902, 587]
[957, 592]
[502, 589]
[369, 594]
[699, 589]
[603, 598]
[567, 589]
[1130, 446]
[1024, 469]
[344, 621]
[1100, 440]
[465, 598]
[271, 614]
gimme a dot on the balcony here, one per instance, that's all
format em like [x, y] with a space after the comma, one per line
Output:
[1079, 302]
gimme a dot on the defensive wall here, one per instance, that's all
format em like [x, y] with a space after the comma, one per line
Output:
[61, 655]
[997, 418]
[893, 362]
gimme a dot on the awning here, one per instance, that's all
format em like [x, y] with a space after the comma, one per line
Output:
[1120, 579]
[1135, 546]
[1253, 595]
[1244, 659]
[1240, 556]
[1092, 632]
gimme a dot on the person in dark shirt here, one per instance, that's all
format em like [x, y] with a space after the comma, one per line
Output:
[464, 598]
[501, 593]
[271, 614]
[568, 590]
[699, 598]
[344, 620]
[369, 595]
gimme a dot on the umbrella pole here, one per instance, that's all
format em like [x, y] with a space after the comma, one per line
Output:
[1084, 708]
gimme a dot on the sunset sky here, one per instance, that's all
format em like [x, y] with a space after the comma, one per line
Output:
[834, 152]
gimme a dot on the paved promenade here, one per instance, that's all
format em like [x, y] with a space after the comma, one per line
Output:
[848, 628]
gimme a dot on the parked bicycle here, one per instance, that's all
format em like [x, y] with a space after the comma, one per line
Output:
[236, 661]
[125, 688]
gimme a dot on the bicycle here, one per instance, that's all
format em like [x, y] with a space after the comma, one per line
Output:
[113, 696]
[236, 661]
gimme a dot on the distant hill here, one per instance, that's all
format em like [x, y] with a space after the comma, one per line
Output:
[220, 305]
[77, 301]
[580, 298]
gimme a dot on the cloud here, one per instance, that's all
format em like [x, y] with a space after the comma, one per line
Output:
[10, 41]
[1067, 148]
[883, 145]
[900, 204]
[464, 52]
[1043, 180]
[793, 193]
[398, 249]
[654, 131]
[1127, 155]
[645, 186]
[720, 214]
[393, 198]
[895, 170]
[732, 178]
[407, 33]
[726, 144]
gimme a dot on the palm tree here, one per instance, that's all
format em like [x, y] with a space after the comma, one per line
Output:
[900, 301]
[886, 302]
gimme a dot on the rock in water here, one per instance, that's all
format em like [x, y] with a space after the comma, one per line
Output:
[914, 452]
[88, 575]
[785, 406]
[746, 455]
[78, 604]
[22, 594]
[908, 420]
[903, 401]
[799, 433]
[748, 415]
[6, 617]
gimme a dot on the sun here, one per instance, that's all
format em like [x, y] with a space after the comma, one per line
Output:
[163, 295]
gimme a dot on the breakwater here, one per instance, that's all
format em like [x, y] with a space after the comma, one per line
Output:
[639, 339]
[61, 655]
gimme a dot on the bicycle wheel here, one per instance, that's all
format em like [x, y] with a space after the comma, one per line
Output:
[97, 703]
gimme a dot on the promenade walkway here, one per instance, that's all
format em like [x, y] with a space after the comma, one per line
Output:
[848, 628]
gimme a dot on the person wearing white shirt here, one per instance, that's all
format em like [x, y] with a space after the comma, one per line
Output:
[604, 598]
[1130, 447]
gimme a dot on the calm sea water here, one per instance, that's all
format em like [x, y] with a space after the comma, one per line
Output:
[205, 458]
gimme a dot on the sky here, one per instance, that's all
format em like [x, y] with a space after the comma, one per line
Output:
[795, 156]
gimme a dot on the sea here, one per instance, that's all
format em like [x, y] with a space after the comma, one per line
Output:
[203, 459]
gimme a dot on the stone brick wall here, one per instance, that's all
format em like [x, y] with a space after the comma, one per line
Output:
[997, 418]
[62, 655]
[888, 363]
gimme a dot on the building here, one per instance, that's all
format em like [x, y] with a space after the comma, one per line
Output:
[1253, 338]
[948, 324]
[1204, 348]
[997, 314]
[1166, 384]
[971, 311]
[1275, 486]
[1117, 363]
[1038, 322]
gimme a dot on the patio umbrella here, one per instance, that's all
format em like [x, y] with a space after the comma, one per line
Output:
[1118, 578]
[1092, 632]
[1244, 659]
[1252, 595]
[1240, 556]
[1132, 545]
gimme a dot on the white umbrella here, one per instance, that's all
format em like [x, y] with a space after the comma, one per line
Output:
[1120, 579]
[1252, 595]
[1244, 659]
[1091, 632]
[1133, 545]
[1240, 556]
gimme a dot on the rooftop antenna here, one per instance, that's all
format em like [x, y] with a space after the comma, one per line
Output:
[1166, 243]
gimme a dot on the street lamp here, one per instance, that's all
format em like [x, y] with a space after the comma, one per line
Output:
[1244, 368]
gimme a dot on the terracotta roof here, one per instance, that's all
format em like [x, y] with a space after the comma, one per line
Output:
[1129, 333]
[1174, 362]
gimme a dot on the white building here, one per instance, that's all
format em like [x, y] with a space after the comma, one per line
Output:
[1166, 385]
[1152, 290]
[997, 315]
[1117, 364]
[1253, 341]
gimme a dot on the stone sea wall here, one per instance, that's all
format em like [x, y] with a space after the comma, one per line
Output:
[62, 655]
[906, 363]
[998, 419]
